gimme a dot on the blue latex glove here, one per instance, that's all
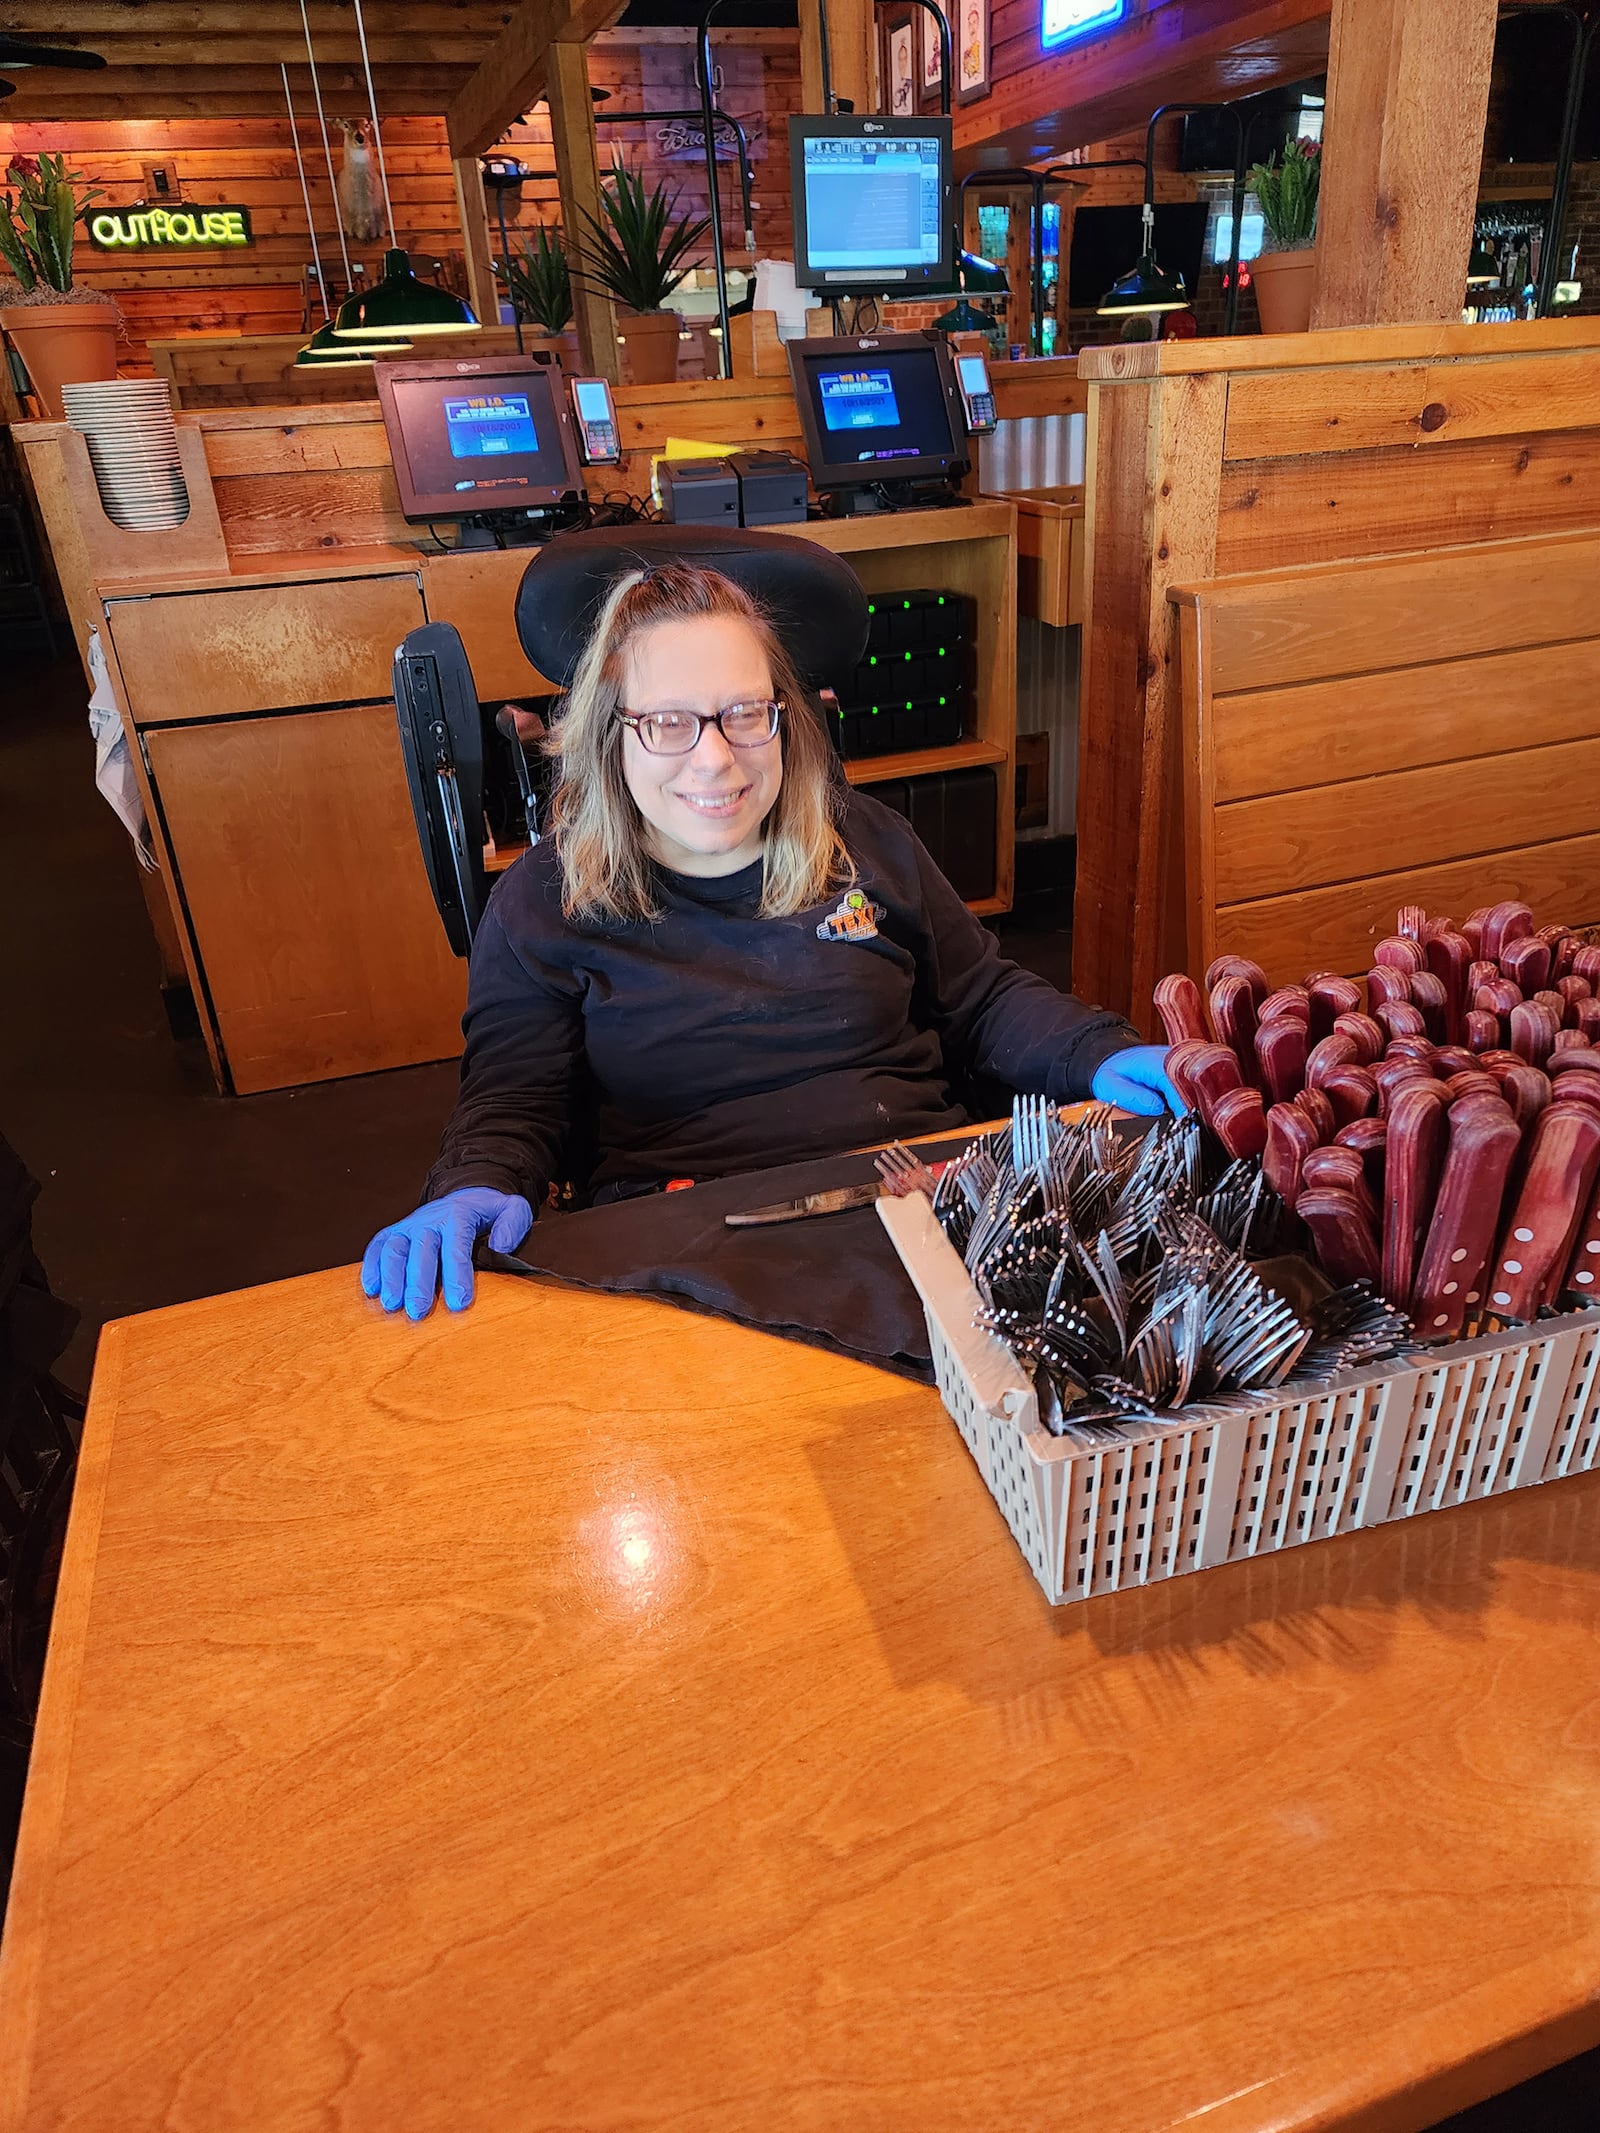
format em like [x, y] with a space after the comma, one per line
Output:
[405, 1262]
[1136, 1080]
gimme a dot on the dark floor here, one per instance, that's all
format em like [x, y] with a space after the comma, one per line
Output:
[156, 1189]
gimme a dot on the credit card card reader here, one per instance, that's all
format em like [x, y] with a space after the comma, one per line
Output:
[598, 435]
[977, 394]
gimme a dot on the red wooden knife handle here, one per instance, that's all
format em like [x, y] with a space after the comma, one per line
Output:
[1401, 953]
[1385, 982]
[1571, 1039]
[1340, 1167]
[1572, 989]
[1477, 1081]
[1239, 1120]
[1532, 1038]
[1472, 927]
[1449, 960]
[1341, 1235]
[1400, 1018]
[1233, 1012]
[1392, 1075]
[1239, 966]
[1290, 1002]
[1367, 1035]
[1586, 1014]
[1330, 997]
[1527, 963]
[1352, 1091]
[1503, 924]
[1281, 1057]
[1556, 1192]
[1413, 1158]
[1422, 1049]
[1480, 1029]
[1369, 1138]
[1564, 945]
[1431, 996]
[1483, 1142]
[1179, 1003]
[1524, 1088]
[1586, 963]
[1411, 922]
[1320, 1112]
[1335, 1050]
[1454, 1059]
[1583, 1269]
[1212, 1071]
[1291, 1136]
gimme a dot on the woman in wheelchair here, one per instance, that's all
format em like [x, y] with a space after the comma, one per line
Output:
[721, 957]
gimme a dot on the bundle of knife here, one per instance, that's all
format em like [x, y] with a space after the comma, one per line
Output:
[1438, 1134]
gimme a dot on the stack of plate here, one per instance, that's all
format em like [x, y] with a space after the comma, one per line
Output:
[133, 447]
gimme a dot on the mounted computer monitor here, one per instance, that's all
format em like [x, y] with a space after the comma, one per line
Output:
[874, 210]
[878, 407]
[476, 436]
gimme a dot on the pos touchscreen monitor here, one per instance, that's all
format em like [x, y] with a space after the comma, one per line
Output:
[479, 435]
[874, 210]
[876, 408]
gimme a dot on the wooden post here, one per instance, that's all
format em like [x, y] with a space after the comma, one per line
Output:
[852, 39]
[578, 182]
[1408, 94]
[474, 216]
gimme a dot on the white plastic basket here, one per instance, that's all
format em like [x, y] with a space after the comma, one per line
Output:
[1243, 1477]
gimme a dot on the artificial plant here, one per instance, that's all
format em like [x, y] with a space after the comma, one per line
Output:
[638, 251]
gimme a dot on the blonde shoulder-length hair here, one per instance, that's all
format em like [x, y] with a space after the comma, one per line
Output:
[598, 830]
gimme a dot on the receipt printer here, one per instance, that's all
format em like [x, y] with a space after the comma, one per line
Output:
[772, 488]
[699, 492]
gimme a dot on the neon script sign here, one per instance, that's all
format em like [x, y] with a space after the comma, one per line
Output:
[163, 229]
[1064, 20]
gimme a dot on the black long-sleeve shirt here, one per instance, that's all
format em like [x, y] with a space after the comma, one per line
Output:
[716, 1040]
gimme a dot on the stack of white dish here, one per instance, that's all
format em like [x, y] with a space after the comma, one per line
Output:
[133, 447]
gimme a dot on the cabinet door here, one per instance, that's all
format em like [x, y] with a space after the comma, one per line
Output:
[297, 861]
[255, 647]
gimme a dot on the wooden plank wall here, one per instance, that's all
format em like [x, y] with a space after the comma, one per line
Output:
[250, 162]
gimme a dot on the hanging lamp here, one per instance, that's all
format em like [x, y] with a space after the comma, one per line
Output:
[974, 277]
[1482, 268]
[1146, 287]
[400, 305]
[325, 351]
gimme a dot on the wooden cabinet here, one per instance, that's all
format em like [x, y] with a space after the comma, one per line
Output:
[478, 593]
[299, 873]
[218, 653]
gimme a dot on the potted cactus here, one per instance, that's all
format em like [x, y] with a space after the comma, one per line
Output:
[639, 253]
[1287, 191]
[64, 335]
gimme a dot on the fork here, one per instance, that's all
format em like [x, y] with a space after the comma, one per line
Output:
[904, 1172]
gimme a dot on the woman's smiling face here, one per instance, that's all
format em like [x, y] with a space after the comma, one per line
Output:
[703, 811]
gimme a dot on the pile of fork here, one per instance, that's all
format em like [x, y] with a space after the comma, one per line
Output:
[1110, 1265]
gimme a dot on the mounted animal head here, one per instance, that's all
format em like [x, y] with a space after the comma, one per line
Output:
[360, 198]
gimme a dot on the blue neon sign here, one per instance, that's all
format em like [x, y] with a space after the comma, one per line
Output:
[1064, 20]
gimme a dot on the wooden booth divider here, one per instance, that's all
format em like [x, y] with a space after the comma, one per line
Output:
[1420, 729]
[1209, 460]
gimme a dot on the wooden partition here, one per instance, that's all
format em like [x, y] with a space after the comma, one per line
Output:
[1212, 459]
[250, 650]
[1417, 729]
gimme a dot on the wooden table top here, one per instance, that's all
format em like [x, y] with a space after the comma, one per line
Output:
[580, 1714]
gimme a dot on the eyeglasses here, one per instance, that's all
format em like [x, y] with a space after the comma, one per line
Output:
[678, 732]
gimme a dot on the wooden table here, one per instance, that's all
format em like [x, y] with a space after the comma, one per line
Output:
[585, 1715]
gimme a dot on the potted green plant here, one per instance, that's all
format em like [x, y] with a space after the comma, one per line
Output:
[65, 335]
[637, 249]
[538, 280]
[1287, 191]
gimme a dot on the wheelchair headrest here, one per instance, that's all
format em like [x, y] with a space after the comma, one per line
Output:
[812, 596]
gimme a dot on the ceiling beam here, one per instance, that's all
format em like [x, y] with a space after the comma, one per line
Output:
[515, 72]
[80, 19]
[1201, 50]
[225, 92]
[457, 48]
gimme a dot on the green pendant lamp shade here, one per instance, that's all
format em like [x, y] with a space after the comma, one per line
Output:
[1148, 287]
[401, 308]
[324, 352]
[1482, 267]
[974, 277]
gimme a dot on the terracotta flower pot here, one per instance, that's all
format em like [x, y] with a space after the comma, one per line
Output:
[1284, 282]
[652, 345]
[62, 344]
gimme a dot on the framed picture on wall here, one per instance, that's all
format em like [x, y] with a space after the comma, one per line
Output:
[928, 31]
[902, 72]
[970, 30]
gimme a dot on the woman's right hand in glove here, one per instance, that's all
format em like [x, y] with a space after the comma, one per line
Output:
[406, 1263]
